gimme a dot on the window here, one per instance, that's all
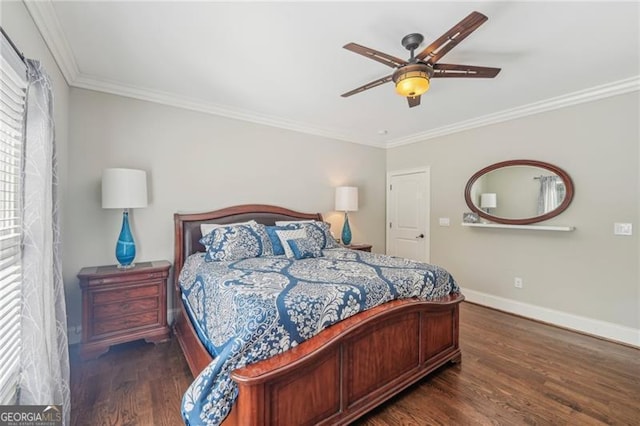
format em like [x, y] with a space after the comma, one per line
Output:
[12, 113]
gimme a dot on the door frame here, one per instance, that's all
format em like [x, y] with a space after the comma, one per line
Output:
[427, 171]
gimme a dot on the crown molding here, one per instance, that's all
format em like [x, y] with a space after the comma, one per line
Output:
[46, 20]
[588, 95]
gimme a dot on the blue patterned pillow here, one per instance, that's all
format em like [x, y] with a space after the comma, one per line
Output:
[320, 232]
[290, 234]
[304, 248]
[278, 249]
[267, 247]
[229, 243]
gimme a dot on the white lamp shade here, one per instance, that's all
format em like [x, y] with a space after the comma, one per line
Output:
[488, 200]
[347, 198]
[124, 189]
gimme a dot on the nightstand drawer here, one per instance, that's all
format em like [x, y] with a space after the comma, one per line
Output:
[127, 278]
[124, 308]
[124, 294]
[126, 323]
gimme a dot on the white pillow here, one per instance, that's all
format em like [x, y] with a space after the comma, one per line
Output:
[288, 222]
[290, 234]
[205, 228]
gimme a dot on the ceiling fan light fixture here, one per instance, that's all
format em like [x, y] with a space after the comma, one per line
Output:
[412, 83]
[412, 80]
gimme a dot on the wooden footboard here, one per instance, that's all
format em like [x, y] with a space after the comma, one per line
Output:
[352, 366]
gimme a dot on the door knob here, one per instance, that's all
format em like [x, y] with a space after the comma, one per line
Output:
[420, 236]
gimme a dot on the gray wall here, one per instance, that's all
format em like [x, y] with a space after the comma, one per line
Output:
[199, 162]
[589, 272]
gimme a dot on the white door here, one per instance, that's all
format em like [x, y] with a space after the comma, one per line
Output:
[408, 214]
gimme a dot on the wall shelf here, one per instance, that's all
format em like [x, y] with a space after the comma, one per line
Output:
[529, 227]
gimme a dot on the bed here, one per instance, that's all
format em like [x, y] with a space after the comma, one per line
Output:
[339, 374]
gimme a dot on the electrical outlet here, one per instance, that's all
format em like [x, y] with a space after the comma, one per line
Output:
[444, 221]
[517, 282]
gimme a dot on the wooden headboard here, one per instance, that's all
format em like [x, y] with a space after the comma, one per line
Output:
[187, 226]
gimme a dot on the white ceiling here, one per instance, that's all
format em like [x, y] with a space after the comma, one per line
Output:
[282, 63]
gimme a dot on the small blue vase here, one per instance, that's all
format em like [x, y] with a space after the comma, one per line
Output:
[346, 231]
[126, 248]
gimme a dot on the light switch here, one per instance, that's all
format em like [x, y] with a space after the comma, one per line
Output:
[444, 221]
[623, 229]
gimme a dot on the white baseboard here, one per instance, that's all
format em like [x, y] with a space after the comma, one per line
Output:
[620, 333]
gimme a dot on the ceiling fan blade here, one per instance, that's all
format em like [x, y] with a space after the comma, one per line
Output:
[367, 86]
[436, 50]
[383, 58]
[464, 71]
[413, 101]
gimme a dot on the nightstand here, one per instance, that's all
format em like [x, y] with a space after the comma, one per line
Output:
[121, 305]
[361, 247]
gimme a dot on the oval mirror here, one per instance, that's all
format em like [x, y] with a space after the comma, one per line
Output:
[519, 192]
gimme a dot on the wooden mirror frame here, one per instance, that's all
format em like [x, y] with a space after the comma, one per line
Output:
[526, 221]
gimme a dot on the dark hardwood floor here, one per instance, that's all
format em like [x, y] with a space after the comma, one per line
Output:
[135, 383]
[514, 371]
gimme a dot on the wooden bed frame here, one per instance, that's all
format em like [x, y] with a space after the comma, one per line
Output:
[341, 373]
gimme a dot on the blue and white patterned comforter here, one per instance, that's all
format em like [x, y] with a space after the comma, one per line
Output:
[253, 309]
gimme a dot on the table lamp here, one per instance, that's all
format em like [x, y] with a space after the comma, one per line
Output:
[346, 201]
[488, 201]
[124, 189]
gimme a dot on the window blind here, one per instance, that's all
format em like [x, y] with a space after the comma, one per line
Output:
[13, 85]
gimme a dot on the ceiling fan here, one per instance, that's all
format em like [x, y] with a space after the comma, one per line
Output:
[412, 77]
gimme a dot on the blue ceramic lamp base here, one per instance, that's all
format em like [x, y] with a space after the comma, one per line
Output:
[126, 247]
[346, 230]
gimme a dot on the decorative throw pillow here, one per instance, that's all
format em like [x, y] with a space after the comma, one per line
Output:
[261, 230]
[320, 232]
[304, 248]
[229, 243]
[290, 234]
[278, 249]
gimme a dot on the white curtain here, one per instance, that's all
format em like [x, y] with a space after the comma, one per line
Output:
[550, 197]
[45, 358]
